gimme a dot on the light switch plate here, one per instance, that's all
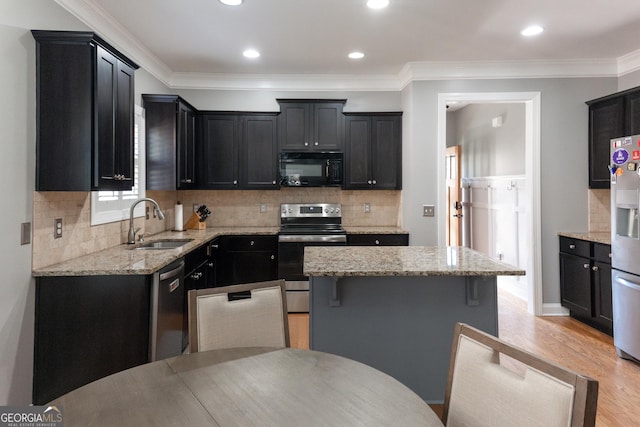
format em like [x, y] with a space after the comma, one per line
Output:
[367, 207]
[57, 228]
[263, 207]
[428, 210]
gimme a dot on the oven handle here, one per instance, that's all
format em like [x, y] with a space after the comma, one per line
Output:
[312, 238]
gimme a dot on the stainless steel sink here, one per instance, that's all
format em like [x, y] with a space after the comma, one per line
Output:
[163, 244]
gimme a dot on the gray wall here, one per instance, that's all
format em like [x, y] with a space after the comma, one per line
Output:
[488, 150]
[563, 156]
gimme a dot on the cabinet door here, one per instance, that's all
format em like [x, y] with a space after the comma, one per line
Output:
[575, 284]
[386, 143]
[357, 172]
[114, 112]
[328, 127]
[293, 123]
[606, 121]
[632, 113]
[220, 151]
[602, 291]
[186, 146]
[259, 153]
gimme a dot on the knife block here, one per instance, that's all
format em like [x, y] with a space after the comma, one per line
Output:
[194, 223]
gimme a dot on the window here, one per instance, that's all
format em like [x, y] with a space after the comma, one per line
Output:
[112, 206]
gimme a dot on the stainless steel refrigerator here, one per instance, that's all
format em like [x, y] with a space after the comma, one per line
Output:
[625, 245]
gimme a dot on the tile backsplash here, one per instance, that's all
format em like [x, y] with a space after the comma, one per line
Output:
[600, 210]
[230, 208]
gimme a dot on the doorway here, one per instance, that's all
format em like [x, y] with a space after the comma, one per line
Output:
[531, 101]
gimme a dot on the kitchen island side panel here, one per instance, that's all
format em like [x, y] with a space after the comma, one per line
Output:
[402, 326]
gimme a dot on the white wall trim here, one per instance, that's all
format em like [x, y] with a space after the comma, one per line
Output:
[554, 309]
[96, 18]
[532, 172]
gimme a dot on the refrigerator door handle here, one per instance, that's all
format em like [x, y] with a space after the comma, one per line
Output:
[627, 283]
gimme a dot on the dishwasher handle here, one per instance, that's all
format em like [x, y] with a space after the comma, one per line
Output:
[166, 275]
[628, 283]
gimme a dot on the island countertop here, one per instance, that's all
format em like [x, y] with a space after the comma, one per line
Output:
[402, 261]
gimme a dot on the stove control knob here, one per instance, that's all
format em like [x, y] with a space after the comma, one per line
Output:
[337, 210]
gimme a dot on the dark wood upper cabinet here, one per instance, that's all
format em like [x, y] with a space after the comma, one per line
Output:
[311, 125]
[239, 150]
[610, 117]
[373, 151]
[171, 143]
[84, 113]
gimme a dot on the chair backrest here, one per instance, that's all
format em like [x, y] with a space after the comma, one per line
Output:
[485, 388]
[246, 315]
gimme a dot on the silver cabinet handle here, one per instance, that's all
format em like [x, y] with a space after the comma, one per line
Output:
[273, 182]
[306, 144]
[369, 182]
[316, 144]
[377, 242]
[252, 243]
[595, 268]
[273, 257]
[572, 246]
[585, 265]
[235, 182]
[211, 264]
[375, 182]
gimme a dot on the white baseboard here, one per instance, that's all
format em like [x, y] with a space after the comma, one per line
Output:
[554, 309]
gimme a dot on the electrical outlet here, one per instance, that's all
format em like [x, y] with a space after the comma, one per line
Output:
[428, 210]
[25, 233]
[263, 207]
[367, 208]
[57, 228]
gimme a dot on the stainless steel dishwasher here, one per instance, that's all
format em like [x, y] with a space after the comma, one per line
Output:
[167, 305]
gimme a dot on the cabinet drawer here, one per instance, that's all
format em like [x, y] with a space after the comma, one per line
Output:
[195, 258]
[575, 246]
[250, 243]
[378, 239]
[602, 253]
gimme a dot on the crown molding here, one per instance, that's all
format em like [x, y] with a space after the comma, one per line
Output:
[629, 63]
[289, 82]
[112, 31]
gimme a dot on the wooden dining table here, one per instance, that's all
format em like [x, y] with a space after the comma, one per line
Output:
[253, 386]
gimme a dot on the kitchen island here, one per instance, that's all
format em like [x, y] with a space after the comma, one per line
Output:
[394, 308]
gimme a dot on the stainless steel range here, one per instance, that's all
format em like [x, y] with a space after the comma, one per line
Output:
[301, 225]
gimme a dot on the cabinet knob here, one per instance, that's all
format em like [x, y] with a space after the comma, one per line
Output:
[586, 265]
[215, 246]
[369, 182]
[375, 182]
[273, 257]
[377, 242]
[306, 144]
[186, 181]
[595, 268]
[316, 144]
[211, 264]
[273, 182]
[572, 246]
[235, 182]
[252, 243]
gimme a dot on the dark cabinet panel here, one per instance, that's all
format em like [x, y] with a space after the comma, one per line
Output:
[239, 151]
[84, 113]
[378, 239]
[171, 144]
[585, 282]
[610, 117]
[259, 153]
[245, 259]
[87, 328]
[310, 125]
[220, 150]
[373, 151]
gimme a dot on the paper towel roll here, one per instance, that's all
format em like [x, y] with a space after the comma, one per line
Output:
[177, 210]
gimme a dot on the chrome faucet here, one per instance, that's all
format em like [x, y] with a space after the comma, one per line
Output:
[132, 232]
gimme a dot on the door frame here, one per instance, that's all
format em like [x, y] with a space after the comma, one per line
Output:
[531, 100]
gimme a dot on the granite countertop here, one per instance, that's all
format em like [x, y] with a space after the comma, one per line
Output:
[596, 237]
[125, 260]
[355, 229]
[402, 261]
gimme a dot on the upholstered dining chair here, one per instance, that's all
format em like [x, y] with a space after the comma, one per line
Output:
[492, 383]
[246, 315]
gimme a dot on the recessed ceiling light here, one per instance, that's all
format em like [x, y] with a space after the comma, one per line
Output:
[231, 2]
[356, 55]
[251, 53]
[377, 4]
[533, 30]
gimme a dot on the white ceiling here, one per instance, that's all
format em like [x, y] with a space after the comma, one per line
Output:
[183, 41]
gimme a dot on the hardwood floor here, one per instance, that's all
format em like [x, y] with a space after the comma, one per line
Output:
[564, 341]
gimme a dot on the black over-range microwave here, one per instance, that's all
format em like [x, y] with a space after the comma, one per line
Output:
[312, 169]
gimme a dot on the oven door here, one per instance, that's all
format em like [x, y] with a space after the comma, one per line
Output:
[290, 263]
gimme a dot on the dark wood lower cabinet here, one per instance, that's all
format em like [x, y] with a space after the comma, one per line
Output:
[245, 259]
[585, 282]
[87, 328]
